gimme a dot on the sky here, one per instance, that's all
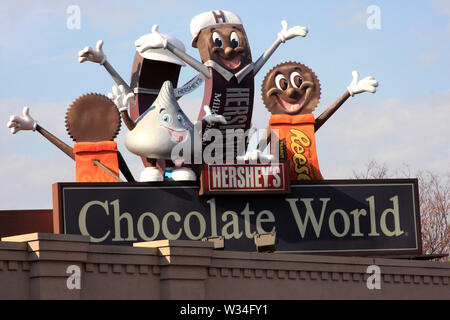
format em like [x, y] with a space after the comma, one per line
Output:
[404, 45]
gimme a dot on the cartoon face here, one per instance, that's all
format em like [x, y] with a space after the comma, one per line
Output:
[291, 88]
[175, 124]
[160, 127]
[227, 45]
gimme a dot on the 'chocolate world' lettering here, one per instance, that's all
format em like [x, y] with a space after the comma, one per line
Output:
[317, 215]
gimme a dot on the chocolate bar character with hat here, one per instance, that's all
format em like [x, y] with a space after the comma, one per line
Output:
[226, 65]
[149, 71]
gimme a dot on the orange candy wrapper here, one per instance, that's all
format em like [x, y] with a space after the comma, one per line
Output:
[298, 133]
[86, 152]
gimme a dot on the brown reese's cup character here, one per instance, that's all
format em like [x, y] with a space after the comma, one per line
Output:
[291, 92]
[93, 122]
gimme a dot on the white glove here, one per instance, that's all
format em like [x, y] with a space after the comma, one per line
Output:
[213, 118]
[255, 155]
[367, 84]
[120, 98]
[26, 122]
[286, 33]
[152, 40]
[94, 55]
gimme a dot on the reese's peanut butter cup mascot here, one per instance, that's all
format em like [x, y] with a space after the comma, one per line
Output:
[93, 122]
[291, 92]
[156, 133]
[226, 65]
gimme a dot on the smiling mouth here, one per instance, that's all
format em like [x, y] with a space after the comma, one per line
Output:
[292, 107]
[177, 136]
[232, 63]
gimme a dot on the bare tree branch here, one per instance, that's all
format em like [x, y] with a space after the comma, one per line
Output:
[434, 200]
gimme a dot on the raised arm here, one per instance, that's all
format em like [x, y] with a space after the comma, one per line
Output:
[368, 84]
[155, 40]
[122, 100]
[26, 122]
[98, 56]
[330, 111]
[286, 33]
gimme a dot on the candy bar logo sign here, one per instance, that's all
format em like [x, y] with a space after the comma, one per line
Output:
[341, 218]
[232, 178]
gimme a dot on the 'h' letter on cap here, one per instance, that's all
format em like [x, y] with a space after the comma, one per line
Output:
[219, 16]
[211, 18]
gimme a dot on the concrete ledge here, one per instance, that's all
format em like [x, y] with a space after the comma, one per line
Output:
[48, 266]
[174, 243]
[45, 236]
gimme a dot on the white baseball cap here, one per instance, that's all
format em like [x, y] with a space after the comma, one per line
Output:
[162, 54]
[211, 18]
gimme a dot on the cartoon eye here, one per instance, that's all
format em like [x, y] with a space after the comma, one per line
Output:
[296, 79]
[217, 39]
[281, 82]
[180, 119]
[166, 118]
[234, 40]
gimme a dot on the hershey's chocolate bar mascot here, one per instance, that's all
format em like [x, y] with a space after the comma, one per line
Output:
[226, 66]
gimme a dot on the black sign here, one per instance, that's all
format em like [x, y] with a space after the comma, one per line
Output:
[339, 217]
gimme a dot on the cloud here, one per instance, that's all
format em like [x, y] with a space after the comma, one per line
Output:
[395, 131]
[29, 164]
[350, 14]
[27, 179]
[50, 115]
[429, 58]
[117, 18]
[441, 7]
